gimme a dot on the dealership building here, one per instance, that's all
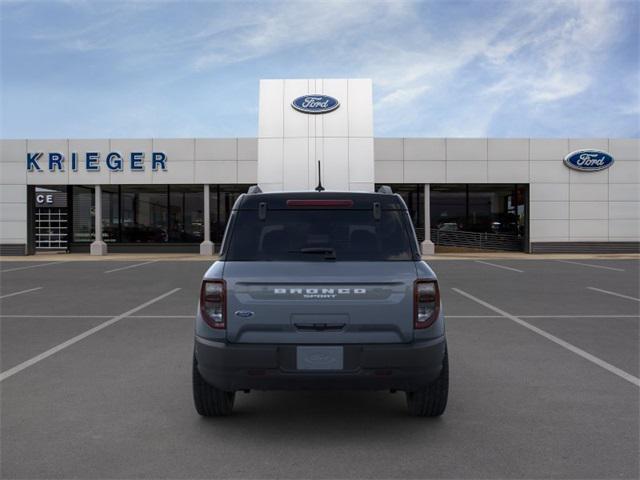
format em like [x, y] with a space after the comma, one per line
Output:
[175, 194]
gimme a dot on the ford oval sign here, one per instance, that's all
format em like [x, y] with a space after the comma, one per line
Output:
[315, 104]
[588, 160]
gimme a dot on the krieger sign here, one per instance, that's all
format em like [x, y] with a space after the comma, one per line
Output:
[91, 161]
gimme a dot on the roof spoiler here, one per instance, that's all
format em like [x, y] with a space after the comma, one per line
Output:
[253, 189]
[386, 189]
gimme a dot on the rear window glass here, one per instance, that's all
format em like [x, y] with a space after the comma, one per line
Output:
[313, 234]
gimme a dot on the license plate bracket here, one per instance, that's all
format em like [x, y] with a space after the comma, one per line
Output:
[320, 358]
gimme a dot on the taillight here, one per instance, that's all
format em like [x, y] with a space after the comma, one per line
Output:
[426, 303]
[213, 303]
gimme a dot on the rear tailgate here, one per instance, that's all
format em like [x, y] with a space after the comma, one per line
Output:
[320, 302]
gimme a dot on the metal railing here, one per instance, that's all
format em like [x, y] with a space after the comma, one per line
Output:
[489, 241]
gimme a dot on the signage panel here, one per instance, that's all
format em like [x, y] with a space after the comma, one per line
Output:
[588, 160]
[92, 161]
[315, 104]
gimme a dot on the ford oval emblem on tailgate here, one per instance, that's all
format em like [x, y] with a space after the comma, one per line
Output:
[243, 313]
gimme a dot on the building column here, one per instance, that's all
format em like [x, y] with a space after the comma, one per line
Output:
[31, 221]
[206, 247]
[98, 247]
[428, 248]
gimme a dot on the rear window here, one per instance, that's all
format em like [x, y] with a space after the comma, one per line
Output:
[316, 234]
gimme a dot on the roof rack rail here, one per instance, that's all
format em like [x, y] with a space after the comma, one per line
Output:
[253, 189]
[385, 189]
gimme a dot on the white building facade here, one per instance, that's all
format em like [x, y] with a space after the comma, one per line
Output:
[176, 194]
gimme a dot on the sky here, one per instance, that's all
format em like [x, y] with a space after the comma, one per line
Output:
[481, 68]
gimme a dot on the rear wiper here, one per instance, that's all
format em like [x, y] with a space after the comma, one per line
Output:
[330, 253]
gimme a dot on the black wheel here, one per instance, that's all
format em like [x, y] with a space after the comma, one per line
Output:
[209, 401]
[432, 401]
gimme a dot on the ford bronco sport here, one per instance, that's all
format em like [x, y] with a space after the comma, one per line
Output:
[320, 290]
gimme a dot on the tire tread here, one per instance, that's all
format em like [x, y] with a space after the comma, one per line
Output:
[210, 401]
[432, 401]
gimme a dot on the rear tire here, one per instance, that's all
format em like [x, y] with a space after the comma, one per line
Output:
[432, 401]
[210, 401]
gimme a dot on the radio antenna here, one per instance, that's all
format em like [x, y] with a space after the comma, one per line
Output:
[319, 188]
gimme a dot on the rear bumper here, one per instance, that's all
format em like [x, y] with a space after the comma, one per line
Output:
[233, 367]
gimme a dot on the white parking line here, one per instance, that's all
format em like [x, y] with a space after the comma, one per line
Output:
[604, 267]
[31, 266]
[578, 316]
[21, 292]
[131, 266]
[32, 361]
[95, 316]
[572, 348]
[447, 316]
[500, 266]
[614, 294]
[57, 316]
[541, 316]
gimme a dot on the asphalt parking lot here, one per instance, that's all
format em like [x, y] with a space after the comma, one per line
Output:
[95, 381]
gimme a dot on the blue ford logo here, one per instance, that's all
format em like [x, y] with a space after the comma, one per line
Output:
[588, 160]
[244, 313]
[315, 104]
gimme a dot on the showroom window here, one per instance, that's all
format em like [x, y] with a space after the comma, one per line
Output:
[480, 208]
[186, 213]
[222, 198]
[83, 201]
[448, 206]
[467, 209]
[144, 213]
[83, 210]
[152, 213]
[110, 213]
[413, 196]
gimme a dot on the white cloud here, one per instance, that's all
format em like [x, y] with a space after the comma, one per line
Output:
[551, 62]
[535, 53]
[274, 27]
[402, 96]
[462, 68]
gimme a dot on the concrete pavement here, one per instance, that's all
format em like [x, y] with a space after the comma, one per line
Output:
[117, 403]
